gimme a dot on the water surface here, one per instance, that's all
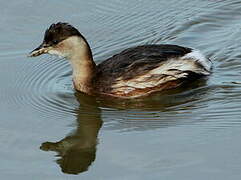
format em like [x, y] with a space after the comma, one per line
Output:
[49, 131]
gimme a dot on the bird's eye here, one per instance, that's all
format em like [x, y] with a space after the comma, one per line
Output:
[55, 42]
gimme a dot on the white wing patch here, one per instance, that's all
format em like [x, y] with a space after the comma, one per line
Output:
[199, 57]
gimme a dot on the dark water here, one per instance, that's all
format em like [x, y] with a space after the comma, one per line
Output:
[48, 131]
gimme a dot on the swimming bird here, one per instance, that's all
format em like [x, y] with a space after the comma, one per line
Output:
[134, 72]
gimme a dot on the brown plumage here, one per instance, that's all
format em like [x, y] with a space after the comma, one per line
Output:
[134, 72]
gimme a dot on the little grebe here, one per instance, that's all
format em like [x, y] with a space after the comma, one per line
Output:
[134, 72]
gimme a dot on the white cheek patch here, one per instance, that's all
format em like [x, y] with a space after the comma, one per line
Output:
[58, 53]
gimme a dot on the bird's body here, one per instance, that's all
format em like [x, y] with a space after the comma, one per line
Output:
[134, 72]
[144, 69]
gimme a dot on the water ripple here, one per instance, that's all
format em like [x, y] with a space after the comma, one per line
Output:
[46, 87]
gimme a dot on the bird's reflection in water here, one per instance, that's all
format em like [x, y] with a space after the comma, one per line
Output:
[77, 150]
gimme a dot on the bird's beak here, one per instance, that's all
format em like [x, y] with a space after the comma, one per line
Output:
[42, 49]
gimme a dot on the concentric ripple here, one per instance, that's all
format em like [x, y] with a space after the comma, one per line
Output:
[46, 86]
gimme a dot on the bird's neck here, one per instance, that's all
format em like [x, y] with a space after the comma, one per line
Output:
[83, 65]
